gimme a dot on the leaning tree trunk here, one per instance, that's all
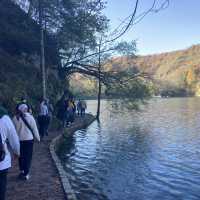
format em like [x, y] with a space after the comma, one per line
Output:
[42, 55]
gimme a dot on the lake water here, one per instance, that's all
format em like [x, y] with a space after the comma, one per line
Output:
[149, 155]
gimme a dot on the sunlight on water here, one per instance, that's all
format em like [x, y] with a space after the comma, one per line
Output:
[153, 154]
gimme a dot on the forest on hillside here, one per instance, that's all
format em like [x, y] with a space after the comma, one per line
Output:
[171, 74]
[176, 71]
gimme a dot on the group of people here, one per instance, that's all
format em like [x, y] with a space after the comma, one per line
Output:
[21, 132]
[67, 110]
[81, 107]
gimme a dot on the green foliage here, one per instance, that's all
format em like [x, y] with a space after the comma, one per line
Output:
[19, 34]
[133, 89]
[83, 86]
[126, 48]
[81, 21]
[18, 79]
[19, 62]
[21, 38]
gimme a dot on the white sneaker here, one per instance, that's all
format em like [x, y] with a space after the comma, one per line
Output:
[27, 177]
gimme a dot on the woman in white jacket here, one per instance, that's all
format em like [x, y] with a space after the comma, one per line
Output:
[26, 127]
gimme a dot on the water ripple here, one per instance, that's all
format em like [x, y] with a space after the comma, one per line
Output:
[150, 155]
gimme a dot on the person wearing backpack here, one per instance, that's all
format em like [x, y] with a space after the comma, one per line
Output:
[7, 133]
[26, 127]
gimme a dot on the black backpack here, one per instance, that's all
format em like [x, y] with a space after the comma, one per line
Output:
[2, 150]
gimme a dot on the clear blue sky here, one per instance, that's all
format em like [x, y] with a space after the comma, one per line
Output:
[176, 27]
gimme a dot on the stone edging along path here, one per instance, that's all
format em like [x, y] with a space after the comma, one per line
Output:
[54, 145]
[45, 183]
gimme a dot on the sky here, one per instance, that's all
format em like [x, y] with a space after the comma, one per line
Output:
[174, 28]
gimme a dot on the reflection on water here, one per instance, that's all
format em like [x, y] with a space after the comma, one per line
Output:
[147, 155]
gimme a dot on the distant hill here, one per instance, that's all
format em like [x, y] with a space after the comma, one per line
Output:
[174, 73]
[178, 70]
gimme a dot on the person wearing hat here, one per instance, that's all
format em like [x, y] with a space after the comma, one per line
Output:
[26, 127]
[7, 133]
[23, 101]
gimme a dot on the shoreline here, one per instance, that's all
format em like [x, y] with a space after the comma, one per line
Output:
[54, 146]
[45, 182]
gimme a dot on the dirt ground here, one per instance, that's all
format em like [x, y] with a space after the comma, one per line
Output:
[44, 183]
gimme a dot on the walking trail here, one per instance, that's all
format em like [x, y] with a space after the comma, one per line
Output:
[44, 183]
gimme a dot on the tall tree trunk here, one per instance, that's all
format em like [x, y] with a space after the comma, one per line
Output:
[42, 55]
[30, 9]
[99, 82]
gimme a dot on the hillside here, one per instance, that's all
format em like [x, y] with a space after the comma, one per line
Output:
[173, 74]
[180, 69]
[20, 73]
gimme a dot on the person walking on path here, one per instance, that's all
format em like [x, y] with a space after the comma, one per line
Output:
[66, 113]
[24, 101]
[27, 130]
[78, 107]
[83, 107]
[70, 110]
[7, 133]
[43, 119]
